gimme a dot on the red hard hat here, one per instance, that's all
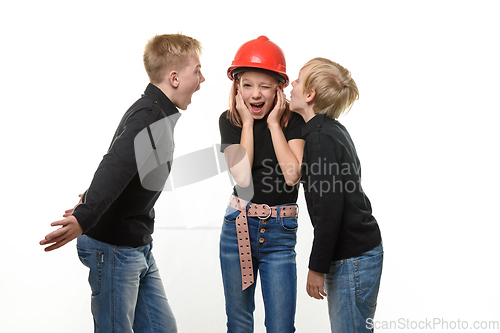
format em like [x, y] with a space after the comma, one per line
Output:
[260, 53]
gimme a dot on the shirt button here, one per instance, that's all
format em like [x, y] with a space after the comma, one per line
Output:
[341, 262]
[355, 263]
[262, 230]
[261, 240]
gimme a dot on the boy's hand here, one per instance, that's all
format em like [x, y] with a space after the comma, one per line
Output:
[70, 211]
[315, 284]
[70, 230]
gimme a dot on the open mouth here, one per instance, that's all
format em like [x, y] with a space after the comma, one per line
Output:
[257, 107]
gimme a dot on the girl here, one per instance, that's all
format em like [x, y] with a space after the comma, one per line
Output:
[347, 253]
[261, 142]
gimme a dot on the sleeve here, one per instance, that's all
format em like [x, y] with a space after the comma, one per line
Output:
[327, 199]
[294, 127]
[115, 171]
[229, 133]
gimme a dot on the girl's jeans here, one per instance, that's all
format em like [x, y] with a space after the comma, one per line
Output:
[273, 254]
[127, 291]
[352, 287]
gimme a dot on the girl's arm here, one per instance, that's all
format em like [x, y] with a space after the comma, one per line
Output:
[240, 157]
[289, 154]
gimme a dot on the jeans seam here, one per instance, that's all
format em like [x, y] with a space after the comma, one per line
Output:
[151, 321]
[113, 298]
[352, 301]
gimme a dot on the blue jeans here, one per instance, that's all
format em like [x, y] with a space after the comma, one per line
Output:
[127, 291]
[352, 287]
[273, 254]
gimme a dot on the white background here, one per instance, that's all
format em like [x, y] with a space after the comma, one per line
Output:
[425, 128]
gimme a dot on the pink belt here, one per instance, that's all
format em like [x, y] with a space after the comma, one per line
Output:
[263, 212]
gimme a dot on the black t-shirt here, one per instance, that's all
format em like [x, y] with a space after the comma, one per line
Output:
[269, 186]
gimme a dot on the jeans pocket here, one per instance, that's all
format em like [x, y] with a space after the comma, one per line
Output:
[289, 224]
[94, 260]
[231, 215]
[368, 271]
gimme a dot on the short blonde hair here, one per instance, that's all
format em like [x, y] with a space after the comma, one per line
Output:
[168, 52]
[335, 89]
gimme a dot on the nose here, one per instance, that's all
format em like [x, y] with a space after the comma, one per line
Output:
[202, 78]
[256, 93]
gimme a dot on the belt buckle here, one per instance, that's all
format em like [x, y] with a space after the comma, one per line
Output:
[270, 212]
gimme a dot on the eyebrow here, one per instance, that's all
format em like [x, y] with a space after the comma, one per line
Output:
[261, 82]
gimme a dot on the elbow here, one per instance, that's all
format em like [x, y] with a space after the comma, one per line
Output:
[291, 180]
[243, 181]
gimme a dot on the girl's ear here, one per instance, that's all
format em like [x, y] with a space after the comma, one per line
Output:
[310, 96]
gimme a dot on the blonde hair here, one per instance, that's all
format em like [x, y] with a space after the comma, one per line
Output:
[168, 52]
[234, 116]
[335, 89]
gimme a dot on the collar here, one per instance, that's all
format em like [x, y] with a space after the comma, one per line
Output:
[314, 124]
[161, 99]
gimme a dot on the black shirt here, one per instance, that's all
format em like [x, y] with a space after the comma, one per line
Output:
[269, 184]
[339, 209]
[117, 209]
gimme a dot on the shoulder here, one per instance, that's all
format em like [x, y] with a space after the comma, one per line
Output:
[295, 120]
[333, 135]
[223, 117]
[333, 128]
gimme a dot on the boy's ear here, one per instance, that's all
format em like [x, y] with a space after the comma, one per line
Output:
[310, 96]
[173, 78]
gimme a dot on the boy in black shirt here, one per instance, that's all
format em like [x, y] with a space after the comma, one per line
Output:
[347, 247]
[115, 218]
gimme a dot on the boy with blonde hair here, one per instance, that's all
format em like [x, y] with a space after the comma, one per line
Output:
[347, 255]
[115, 219]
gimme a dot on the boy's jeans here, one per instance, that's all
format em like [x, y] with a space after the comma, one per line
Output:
[127, 291]
[273, 254]
[352, 287]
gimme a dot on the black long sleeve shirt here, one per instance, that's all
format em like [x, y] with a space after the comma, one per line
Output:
[339, 209]
[118, 208]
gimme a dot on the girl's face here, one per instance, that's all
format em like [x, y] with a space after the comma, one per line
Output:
[258, 91]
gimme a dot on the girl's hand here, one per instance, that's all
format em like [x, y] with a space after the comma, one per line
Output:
[241, 107]
[276, 113]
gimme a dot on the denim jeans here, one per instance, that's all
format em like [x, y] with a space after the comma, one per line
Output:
[127, 291]
[272, 244]
[352, 287]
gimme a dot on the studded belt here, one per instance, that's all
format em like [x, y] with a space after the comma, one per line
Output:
[262, 211]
